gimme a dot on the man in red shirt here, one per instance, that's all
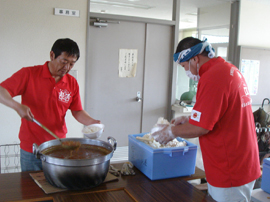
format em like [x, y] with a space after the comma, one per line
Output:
[47, 92]
[222, 118]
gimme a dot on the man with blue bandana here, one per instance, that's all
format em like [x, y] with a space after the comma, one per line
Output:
[222, 118]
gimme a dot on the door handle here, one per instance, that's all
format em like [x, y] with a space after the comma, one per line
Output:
[138, 97]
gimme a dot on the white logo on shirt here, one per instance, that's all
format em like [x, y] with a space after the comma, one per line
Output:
[232, 71]
[195, 115]
[64, 96]
[246, 90]
[240, 76]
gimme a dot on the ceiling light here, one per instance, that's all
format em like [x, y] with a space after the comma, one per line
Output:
[194, 14]
[187, 21]
[120, 4]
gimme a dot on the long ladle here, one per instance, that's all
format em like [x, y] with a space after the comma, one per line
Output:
[71, 145]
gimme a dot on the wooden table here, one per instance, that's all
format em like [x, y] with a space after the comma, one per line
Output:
[21, 187]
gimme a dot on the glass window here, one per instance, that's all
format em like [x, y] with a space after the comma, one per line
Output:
[182, 82]
[215, 35]
[185, 88]
[222, 51]
[216, 39]
[219, 39]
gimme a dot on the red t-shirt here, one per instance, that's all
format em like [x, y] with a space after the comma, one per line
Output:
[223, 106]
[47, 100]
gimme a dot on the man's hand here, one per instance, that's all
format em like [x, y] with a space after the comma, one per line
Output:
[163, 135]
[265, 156]
[24, 112]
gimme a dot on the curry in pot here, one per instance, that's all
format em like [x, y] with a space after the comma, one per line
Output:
[85, 151]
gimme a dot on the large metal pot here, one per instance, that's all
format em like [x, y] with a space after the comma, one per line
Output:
[75, 173]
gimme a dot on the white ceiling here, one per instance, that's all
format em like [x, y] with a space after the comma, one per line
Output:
[158, 9]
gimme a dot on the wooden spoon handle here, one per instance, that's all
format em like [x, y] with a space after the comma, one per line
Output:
[42, 126]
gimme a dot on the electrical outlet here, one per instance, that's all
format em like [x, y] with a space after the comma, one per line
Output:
[66, 12]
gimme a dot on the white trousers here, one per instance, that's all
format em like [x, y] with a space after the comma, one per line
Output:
[232, 194]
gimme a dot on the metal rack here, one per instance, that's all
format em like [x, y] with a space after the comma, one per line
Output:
[10, 158]
[262, 123]
[260, 129]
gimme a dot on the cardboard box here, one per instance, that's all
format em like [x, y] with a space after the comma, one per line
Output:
[162, 163]
[266, 175]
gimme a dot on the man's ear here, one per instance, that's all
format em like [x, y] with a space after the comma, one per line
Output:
[52, 55]
[196, 58]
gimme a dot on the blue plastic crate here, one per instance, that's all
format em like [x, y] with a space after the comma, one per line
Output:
[266, 175]
[162, 163]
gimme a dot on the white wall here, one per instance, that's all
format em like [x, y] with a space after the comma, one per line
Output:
[214, 16]
[253, 23]
[28, 30]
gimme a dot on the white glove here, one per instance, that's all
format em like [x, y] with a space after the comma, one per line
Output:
[163, 135]
[158, 127]
[180, 120]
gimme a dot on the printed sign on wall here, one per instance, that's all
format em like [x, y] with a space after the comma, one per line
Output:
[128, 62]
[250, 71]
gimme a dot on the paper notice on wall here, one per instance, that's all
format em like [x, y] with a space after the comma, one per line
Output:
[128, 62]
[250, 71]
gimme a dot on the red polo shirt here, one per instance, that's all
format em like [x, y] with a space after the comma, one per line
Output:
[223, 106]
[47, 100]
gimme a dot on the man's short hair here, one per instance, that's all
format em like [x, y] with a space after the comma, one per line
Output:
[188, 42]
[66, 45]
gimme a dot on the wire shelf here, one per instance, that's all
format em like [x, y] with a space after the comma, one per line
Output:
[10, 158]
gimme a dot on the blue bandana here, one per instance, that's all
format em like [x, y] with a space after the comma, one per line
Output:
[189, 53]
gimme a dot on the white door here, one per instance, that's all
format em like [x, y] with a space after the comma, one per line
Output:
[111, 98]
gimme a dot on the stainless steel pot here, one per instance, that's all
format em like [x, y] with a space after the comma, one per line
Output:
[75, 173]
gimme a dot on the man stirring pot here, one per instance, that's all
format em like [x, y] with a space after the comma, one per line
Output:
[47, 92]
